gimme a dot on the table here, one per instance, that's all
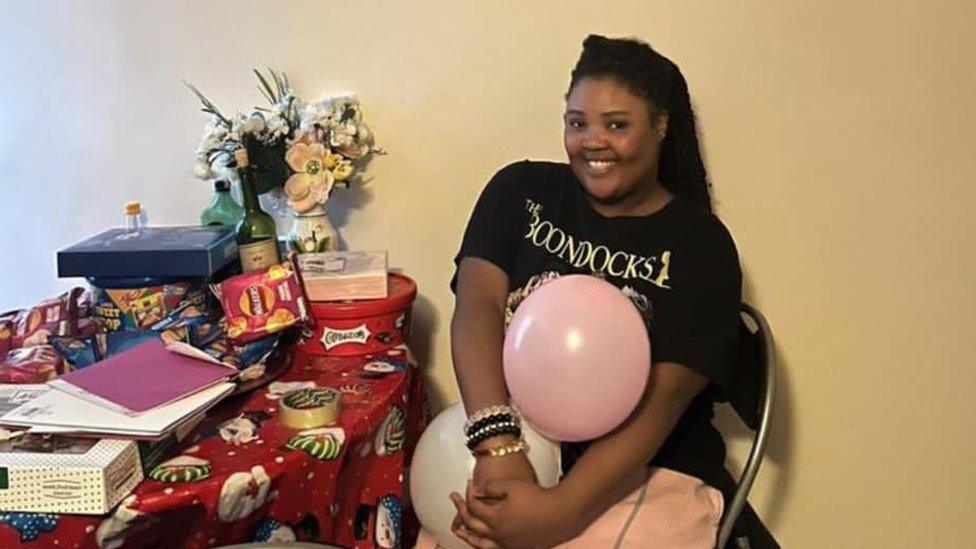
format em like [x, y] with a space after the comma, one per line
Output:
[243, 476]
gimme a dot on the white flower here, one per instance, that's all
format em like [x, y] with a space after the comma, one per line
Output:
[277, 126]
[319, 113]
[202, 171]
[342, 134]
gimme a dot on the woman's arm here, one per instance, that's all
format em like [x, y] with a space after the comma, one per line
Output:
[477, 332]
[604, 473]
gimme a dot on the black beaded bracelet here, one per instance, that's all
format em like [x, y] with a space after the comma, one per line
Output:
[493, 431]
[492, 419]
[497, 424]
[487, 432]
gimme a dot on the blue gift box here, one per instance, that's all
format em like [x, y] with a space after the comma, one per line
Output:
[183, 252]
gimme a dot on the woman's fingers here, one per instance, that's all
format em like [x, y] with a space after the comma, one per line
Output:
[470, 537]
[472, 524]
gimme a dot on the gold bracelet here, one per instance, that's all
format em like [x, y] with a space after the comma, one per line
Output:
[499, 451]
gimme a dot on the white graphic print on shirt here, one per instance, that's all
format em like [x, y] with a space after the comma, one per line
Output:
[599, 259]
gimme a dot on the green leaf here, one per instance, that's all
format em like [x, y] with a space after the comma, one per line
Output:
[209, 107]
[277, 81]
[267, 87]
[323, 245]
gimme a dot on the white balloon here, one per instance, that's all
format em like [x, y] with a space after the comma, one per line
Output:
[443, 464]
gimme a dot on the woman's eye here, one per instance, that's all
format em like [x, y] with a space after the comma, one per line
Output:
[576, 124]
[618, 125]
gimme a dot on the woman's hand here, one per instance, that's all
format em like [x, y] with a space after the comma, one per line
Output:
[513, 513]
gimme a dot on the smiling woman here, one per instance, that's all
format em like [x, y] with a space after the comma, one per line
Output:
[631, 206]
[613, 141]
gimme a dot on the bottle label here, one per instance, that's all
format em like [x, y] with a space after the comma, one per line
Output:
[258, 255]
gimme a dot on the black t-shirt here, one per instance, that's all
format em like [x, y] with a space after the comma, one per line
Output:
[678, 265]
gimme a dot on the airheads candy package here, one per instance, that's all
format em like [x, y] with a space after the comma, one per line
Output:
[262, 302]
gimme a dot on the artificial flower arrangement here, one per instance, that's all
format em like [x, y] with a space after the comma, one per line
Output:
[303, 149]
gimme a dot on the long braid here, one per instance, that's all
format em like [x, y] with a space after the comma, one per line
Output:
[658, 80]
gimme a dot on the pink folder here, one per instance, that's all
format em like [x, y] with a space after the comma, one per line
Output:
[142, 378]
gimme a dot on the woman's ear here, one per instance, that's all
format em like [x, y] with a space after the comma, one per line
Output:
[661, 125]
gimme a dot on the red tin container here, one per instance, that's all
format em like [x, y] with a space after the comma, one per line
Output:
[344, 328]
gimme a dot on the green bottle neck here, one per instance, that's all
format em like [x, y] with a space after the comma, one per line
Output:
[249, 190]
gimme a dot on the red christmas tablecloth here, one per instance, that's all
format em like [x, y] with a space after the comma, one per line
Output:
[244, 476]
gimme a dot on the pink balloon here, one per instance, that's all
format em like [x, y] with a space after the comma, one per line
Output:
[576, 358]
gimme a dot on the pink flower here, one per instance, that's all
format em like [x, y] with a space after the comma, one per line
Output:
[312, 181]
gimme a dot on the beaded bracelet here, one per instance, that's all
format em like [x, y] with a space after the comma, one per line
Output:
[499, 451]
[485, 412]
[493, 431]
[491, 420]
[493, 427]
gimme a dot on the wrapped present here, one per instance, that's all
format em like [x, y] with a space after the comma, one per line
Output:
[35, 364]
[57, 316]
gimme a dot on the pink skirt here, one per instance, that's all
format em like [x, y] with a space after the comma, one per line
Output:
[670, 511]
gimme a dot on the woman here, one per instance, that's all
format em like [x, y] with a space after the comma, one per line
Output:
[633, 207]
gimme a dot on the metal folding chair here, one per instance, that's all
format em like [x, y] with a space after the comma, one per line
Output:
[752, 399]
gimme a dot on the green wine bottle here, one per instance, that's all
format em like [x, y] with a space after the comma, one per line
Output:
[222, 209]
[257, 241]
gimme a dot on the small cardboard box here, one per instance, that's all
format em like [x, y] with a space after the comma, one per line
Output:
[339, 276]
[183, 252]
[56, 474]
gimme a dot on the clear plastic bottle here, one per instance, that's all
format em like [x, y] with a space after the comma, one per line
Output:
[133, 217]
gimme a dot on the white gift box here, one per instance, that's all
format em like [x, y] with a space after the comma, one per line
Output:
[346, 275]
[66, 474]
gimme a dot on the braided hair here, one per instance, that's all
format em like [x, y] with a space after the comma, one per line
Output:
[656, 79]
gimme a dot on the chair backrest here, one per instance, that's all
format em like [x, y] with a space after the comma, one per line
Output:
[752, 398]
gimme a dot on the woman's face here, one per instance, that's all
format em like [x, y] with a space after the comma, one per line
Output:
[613, 144]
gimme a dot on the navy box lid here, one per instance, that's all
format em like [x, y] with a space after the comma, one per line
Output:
[151, 251]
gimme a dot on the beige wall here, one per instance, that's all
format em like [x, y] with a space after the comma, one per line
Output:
[839, 135]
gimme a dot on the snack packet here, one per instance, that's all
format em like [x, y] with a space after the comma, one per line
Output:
[142, 307]
[262, 302]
